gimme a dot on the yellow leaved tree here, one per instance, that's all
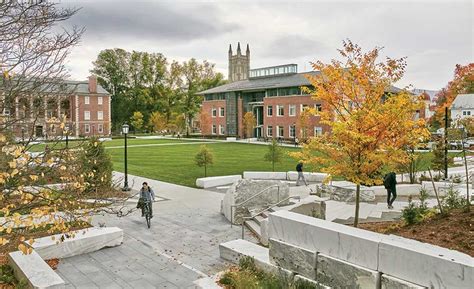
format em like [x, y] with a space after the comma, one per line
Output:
[370, 121]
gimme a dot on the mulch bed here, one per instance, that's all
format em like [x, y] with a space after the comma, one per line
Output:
[453, 231]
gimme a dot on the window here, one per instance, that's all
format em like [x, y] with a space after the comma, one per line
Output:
[87, 128]
[292, 131]
[269, 131]
[214, 129]
[100, 128]
[318, 131]
[272, 92]
[304, 107]
[292, 110]
[221, 129]
[100, 115]
[318, 107]
[99, 100]
[87, 115]
[221, 112]
[214, 112]
[280, 110]
[269, 110]
[417, 115]
[86, 100]
[466, 112]
[280, 131]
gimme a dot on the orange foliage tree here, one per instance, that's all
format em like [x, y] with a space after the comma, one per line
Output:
[249, 123]
[463, 82]
[369, 127]
[204, 122]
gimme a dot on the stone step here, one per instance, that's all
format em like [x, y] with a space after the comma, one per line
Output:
[254, 227]
[258, 219]
[265, 214]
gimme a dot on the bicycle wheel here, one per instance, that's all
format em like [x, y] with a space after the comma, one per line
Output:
[148, 221]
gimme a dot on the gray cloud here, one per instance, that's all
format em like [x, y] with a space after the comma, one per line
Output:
[294, 46]
[155, 21]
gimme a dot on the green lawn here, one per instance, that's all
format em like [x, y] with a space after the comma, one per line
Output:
[175, 164]
[110, 143]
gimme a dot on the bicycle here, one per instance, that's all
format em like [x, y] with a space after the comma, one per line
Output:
[147, 212]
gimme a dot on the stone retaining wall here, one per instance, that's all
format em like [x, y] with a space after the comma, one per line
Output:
[341, 256]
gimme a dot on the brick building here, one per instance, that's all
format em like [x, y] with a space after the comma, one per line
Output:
[84, 105]
[272, 94]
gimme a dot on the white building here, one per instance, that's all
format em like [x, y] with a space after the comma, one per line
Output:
[463, 106]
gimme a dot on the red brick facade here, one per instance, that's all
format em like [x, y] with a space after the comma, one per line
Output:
[86, 112]
[217, 115]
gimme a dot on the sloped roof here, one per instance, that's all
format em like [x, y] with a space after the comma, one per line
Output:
[81, 87]
[463, 101]
[276, 81]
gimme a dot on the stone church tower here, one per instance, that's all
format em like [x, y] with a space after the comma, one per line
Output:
[239, 65]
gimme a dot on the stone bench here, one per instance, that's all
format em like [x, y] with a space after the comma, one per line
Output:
[265, 175]
[34, 270]
[425, 264]
[310, 177]
[210, 182]
[84, 241]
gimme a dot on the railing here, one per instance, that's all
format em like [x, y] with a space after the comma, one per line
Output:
[251, 198]
[264, 210]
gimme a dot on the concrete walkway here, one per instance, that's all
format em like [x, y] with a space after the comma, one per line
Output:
[181, 246]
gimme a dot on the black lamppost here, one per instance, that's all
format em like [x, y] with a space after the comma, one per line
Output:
[66, 130]
[294, 134]
[125, 128]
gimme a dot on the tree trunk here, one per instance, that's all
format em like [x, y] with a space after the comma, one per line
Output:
[273, 164]
[356, 215]
[205, 171]
[468, 203]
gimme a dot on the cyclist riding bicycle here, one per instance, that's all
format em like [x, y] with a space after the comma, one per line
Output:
[146, 196]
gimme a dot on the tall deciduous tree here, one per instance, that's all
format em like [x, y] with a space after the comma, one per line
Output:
[274, 153]
[137, 121]
[369, 127]
[157, 121]
[249, 123]
[197, 77]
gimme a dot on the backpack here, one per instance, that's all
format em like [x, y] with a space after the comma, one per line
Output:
[386, 181]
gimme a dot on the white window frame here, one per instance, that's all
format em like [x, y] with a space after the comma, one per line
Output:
[269, 107]
[214, 112]
[214, 129]
[278, 110]
[318, 107]
[100, 115]
[87, 115]
[318, 131]
[100, 101]
[290, 129]
[304, 107]
[87, 128]
[221, 112]
[269, 131]
[278, 131]
[290, 107]
[221, 130]
[87, 100]
[100, 128]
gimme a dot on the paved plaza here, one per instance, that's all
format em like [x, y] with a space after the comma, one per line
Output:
[181, 246]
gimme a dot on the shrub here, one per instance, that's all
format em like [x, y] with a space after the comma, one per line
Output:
[452, 200]
[415, 213]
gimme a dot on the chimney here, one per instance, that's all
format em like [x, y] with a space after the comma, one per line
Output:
[92, 84]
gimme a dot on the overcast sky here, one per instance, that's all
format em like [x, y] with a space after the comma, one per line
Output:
[434, 35]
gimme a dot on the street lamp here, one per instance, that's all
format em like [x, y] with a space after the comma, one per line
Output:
[66, 130]
[294, 134]
[125, 128]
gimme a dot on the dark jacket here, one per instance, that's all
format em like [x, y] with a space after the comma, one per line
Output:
[299, 167]
[390, 181]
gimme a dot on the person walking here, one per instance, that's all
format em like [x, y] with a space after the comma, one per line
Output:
[390, 183]
[146, 195]
[299, 169]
